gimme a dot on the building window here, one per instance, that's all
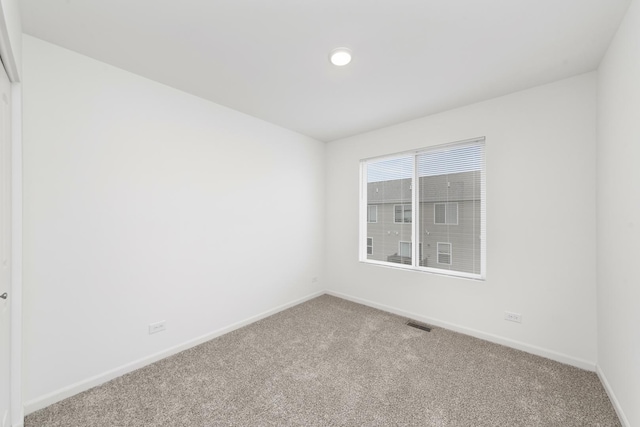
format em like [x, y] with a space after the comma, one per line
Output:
[402, 213]
[372, 213]
[404, 249]
[445, 213]
[420, 191]
[444, 253]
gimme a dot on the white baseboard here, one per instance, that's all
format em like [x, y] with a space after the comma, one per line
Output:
[614, 401]
[80, 386]
[538, 351]
[65, 392]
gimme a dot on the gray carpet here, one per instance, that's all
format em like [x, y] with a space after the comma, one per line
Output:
[330, 362]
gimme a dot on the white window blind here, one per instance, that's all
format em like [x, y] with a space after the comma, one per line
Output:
[435, 196]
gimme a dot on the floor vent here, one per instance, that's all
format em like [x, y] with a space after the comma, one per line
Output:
[418, 325]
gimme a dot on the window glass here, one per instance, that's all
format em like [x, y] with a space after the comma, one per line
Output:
[372, 213]
[442, 188]
[444, 253]
[388, 187]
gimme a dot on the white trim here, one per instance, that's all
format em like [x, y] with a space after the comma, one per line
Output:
[416, 253]
[483, 213]
[362, 223]
[17, 410]
[430, 270]
[451, 273]
[6, 245]
[612, 397]
[438, 253]
[7, 55]
[80, 386]
[538, 351]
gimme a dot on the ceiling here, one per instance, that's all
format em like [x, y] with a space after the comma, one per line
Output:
[269, 58]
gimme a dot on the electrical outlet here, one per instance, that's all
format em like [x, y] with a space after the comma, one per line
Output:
[513, 317]
[157, 327]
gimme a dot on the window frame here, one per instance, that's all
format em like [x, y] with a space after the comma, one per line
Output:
[403, 212]
[369, 246]
[400, 243]
[415, 206]
[369, 216]
[446, 209]
[450, 253]
[410, 243]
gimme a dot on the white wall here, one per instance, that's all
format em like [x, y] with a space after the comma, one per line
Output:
[619, 216]
[143, 203]
[541, 259]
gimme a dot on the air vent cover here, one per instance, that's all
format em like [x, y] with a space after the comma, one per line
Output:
[419, 325]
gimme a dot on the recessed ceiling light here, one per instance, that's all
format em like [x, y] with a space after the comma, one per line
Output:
[340, 56]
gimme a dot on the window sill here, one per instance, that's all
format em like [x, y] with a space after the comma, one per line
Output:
[434, 271]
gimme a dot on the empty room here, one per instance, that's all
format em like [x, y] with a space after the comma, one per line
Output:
[320, 213]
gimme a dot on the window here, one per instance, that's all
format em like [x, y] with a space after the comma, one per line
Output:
[445, 213]
[372, 213]
[402, 213]
[414, 194]
[404, 249]
[444, 253]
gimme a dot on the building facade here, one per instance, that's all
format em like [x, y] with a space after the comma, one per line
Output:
[449, 212]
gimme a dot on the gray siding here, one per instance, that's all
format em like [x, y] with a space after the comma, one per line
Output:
[386, 234]
[465, 256]
[436, 188]
[461, 188]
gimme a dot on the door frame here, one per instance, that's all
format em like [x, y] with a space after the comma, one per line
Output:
[9, 13]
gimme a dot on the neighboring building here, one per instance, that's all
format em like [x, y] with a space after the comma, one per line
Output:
[449, 226]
